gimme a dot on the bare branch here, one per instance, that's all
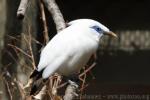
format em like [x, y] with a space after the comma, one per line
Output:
[22, 9]
[56, 14]
[83, 83]
[45, 33]
[84, 74]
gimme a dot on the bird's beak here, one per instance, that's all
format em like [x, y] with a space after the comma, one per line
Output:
[111, 34]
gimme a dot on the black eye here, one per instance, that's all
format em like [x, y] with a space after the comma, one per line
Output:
[97, 28]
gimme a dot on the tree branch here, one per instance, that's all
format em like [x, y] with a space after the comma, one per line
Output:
[70, 92]
[56, 14]
[22, 9]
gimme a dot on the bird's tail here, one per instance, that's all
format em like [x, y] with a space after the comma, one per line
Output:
[38, 82]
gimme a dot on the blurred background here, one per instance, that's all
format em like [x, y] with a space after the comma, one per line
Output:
[123, 63]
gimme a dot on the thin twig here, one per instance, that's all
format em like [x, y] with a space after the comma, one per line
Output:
[62, 85]
[53, 84]
[83, 83]
[13, 46]
[13, 38]
[21, 89]
[57, 80]
[30, 49]
[37, 42]
[88, 69]
[45, 33]
[84, 78]
[8, 89]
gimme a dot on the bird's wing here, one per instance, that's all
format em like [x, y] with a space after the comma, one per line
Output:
[58, 46]
[51, 68]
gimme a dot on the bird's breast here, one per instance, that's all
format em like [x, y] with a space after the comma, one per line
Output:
[81, 52]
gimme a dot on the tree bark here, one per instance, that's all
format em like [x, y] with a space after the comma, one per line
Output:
[2, 27]
[13, 28]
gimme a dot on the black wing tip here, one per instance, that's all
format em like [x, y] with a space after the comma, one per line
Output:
[33, 90]
[34, 73]
[37, 86]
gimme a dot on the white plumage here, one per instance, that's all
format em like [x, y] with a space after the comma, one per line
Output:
[71, 48]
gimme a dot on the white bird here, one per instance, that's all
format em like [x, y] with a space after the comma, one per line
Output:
[70, 49]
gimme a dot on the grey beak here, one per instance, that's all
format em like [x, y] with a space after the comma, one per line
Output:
[111, 34]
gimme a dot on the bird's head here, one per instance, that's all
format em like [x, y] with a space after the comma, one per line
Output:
[92, 27]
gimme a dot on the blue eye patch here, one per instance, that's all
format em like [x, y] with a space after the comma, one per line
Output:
[97, 28]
